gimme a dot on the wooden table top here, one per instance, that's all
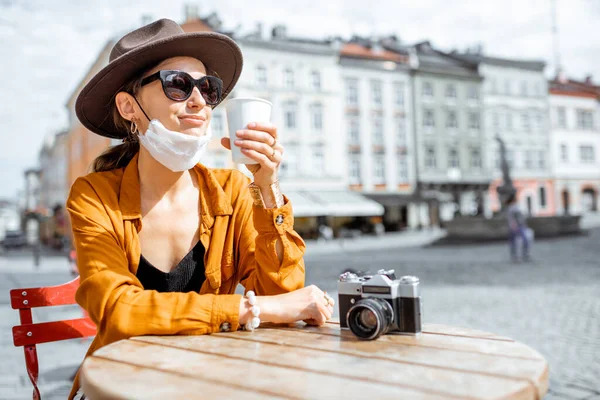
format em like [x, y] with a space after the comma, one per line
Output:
[300, 362]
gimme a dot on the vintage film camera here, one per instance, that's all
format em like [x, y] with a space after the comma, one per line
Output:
[371, 306]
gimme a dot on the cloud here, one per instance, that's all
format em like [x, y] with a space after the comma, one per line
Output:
[47, 46]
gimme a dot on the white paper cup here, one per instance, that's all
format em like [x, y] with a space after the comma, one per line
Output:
[240, 112]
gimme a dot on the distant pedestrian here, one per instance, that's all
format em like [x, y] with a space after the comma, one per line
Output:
[517, 230]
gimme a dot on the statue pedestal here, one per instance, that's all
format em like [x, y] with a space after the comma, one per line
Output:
[465, 230]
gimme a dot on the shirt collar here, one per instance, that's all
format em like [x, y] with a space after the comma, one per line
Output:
[213, 198]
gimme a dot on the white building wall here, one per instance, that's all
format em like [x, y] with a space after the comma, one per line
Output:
[574, 174]
[390, 116]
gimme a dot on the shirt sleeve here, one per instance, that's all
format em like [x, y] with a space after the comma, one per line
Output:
[114, 297]
[259, 267]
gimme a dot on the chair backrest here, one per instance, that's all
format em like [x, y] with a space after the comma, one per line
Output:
[29, 334]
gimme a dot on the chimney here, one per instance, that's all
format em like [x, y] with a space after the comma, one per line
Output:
[192, 12]
[588, 80]
[259, 30]
[561, 77]
[146, 19]
[279, 32]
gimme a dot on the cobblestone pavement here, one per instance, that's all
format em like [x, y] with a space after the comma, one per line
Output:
[551, 304]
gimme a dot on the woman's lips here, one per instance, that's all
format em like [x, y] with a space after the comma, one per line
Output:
[194, 121]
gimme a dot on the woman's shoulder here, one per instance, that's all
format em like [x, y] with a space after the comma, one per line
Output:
[230, 176]
[104, 185]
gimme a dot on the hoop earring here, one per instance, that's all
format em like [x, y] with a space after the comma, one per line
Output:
[133, 128]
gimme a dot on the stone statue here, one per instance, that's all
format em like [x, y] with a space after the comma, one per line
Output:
[506, 189]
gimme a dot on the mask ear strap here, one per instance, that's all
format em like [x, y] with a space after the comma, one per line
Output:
[138, 103]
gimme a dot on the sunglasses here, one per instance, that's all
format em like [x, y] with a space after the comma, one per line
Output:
[179, 85]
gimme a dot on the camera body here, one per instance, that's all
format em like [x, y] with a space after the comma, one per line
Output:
[374, 305]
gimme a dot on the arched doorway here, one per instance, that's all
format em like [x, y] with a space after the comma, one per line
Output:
[565, 201]
[589, 200]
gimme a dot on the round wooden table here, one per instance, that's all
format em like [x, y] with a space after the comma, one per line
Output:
[300, 362]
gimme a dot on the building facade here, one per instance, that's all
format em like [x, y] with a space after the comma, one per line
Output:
[575, 138]
[452, 173]
[377, 124]
[516, 110]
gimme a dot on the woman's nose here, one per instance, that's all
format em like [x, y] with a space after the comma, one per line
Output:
[196, 100]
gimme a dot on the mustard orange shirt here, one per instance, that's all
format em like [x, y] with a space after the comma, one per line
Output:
[239, 239]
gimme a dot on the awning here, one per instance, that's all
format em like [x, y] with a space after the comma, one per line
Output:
[336, 203]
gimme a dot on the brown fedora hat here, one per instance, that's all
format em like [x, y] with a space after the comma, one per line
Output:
[144, 48]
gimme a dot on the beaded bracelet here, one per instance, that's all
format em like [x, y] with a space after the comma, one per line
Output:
[254, 322]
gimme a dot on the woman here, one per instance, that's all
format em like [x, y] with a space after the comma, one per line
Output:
[162, 241]
[517, 227]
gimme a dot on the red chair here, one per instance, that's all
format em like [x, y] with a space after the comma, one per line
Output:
[29, 334]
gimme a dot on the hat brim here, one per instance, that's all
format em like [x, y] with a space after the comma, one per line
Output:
[217, 52]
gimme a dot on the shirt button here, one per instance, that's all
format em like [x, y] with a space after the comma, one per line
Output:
[279, 219]
[225, 327]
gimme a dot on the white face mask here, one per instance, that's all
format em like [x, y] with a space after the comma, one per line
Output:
[175, 150]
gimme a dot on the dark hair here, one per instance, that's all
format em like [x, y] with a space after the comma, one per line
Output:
[120, 155]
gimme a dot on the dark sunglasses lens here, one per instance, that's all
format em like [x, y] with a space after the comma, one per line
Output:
[210, 87]
[177, 86]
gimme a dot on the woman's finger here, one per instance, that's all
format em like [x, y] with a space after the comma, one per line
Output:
[259, 136]
[260, 158]
[268, 127]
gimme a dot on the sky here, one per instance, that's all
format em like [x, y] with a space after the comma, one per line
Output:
[46, 47]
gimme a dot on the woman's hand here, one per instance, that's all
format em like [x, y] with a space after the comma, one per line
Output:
[309, 304]
[259, 142]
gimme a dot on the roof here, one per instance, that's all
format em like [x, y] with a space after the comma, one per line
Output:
[356, 50]
[531, 65]
[569, 87]
[435, 61]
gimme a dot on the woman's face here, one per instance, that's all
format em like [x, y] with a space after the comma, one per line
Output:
[190, 117]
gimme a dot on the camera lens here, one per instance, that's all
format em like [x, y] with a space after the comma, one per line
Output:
[370, 318]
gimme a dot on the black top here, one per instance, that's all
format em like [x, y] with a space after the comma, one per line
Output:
[187, 276]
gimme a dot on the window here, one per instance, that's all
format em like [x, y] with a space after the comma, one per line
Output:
[476, 162]
[539, 121]
[430, 160]
[528, 159]
[376, 94]
[585, 120]
[288, 78]
[453, 161]
[427, 89]
[378, 137]
[498, 159]
[561, 117]
[289, 166]
[543, 197]
[399, 94]
[289, 114]
[402, 167]
[379, 170]
[318, 160]
[451, 92]
[524, 88]
[474, 120]
[492, 85]
[316, 115]
[315, 79]
[542, 159]
[354, 169]
[507, 87]
[564, 153]
[526, 122]
[428, 118]
[216, 124]
[354, 131]
[401, 131]
[261, 75]
[451, 120]
[586, 153]
[496, 122]
[473, 93]
[351, 92]
[220, 162]
[538, 89]
[509, 121]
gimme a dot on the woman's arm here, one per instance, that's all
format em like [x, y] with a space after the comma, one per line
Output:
[261, 266]
[115, 298]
